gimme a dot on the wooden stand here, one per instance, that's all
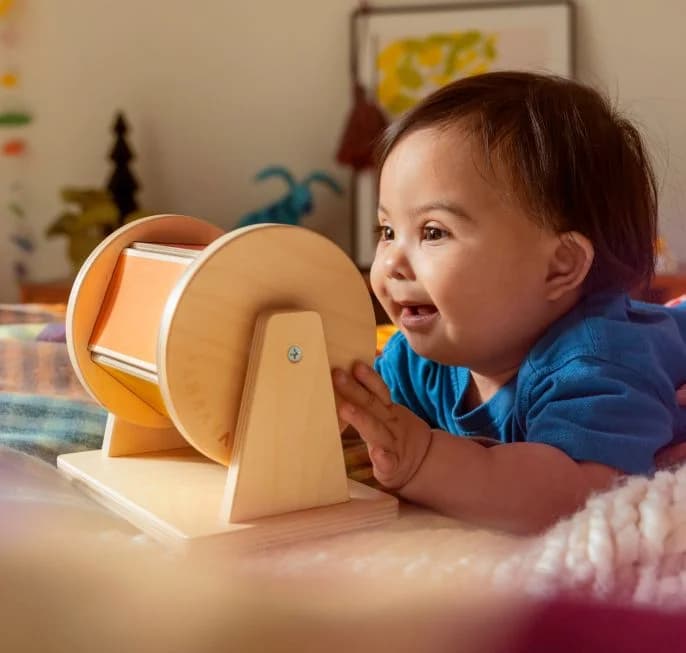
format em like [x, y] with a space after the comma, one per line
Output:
[285, 478]
[175, 497]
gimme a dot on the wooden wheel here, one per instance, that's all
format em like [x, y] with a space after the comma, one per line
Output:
[210, 316]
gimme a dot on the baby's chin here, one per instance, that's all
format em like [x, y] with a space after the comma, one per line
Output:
[438, 353]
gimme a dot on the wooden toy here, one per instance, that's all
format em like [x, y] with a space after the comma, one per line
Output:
[212, 353]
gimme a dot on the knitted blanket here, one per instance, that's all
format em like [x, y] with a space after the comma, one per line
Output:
[44, 411]
[627, 544]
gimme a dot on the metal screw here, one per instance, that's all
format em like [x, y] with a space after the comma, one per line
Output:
[295, 354]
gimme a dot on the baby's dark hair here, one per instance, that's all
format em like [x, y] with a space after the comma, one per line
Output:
[573, 161]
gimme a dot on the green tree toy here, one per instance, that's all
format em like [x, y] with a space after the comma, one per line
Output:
[91, 212]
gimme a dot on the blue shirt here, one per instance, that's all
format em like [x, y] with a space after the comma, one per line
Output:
[599, 385]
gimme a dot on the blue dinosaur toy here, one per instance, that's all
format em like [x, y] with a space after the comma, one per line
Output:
[295, 204]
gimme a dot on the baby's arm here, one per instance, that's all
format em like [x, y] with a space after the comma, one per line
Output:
[520, 487]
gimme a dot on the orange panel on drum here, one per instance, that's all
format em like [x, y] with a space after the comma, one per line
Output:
[130, 314]
[144, 388]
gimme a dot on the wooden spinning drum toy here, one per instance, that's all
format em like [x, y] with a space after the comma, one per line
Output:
[212, 353]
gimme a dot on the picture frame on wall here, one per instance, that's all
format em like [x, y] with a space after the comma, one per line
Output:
[400, 54]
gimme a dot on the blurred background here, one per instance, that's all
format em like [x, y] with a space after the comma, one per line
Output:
[214, 91]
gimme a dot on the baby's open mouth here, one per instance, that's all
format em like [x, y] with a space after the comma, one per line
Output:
[418, 318]
[419, 310]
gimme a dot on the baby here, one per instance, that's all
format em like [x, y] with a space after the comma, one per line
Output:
[515, 212]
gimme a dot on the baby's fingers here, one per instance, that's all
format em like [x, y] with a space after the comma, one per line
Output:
[371, 430]
[353, 392]
[373, 382]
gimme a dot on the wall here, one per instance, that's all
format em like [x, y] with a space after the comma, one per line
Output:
[215, 90]
[634, 50]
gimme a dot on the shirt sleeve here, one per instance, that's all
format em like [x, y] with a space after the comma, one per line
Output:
[597, 411]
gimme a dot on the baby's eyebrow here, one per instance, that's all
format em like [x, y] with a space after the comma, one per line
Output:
[449, 207]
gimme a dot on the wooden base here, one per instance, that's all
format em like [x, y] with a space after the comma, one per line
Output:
[176, 496]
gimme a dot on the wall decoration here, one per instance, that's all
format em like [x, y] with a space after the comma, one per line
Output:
[295, 204]
[14, 118]
[14, 147]
[5, 7]
[401, 54]
[364, 125]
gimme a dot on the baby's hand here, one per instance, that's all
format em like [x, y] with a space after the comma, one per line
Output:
[396, 438]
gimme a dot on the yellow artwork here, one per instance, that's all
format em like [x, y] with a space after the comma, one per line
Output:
[401, 54]
[410, 68]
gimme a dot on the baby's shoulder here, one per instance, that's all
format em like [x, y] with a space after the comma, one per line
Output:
[612, 328]
[613, 340]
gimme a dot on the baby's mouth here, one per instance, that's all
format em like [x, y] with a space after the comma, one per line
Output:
[418, 310]
[418, 318]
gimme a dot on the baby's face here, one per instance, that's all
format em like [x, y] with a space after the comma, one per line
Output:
[460, 267]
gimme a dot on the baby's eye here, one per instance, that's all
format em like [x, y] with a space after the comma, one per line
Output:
[434, 233]
[384, 232]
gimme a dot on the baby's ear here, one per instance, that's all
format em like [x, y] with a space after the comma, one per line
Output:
[570, 260]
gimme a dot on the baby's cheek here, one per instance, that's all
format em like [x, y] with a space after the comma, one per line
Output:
[378, 286]
[376, 276]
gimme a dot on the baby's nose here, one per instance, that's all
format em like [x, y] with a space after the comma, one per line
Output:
[396, 263]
